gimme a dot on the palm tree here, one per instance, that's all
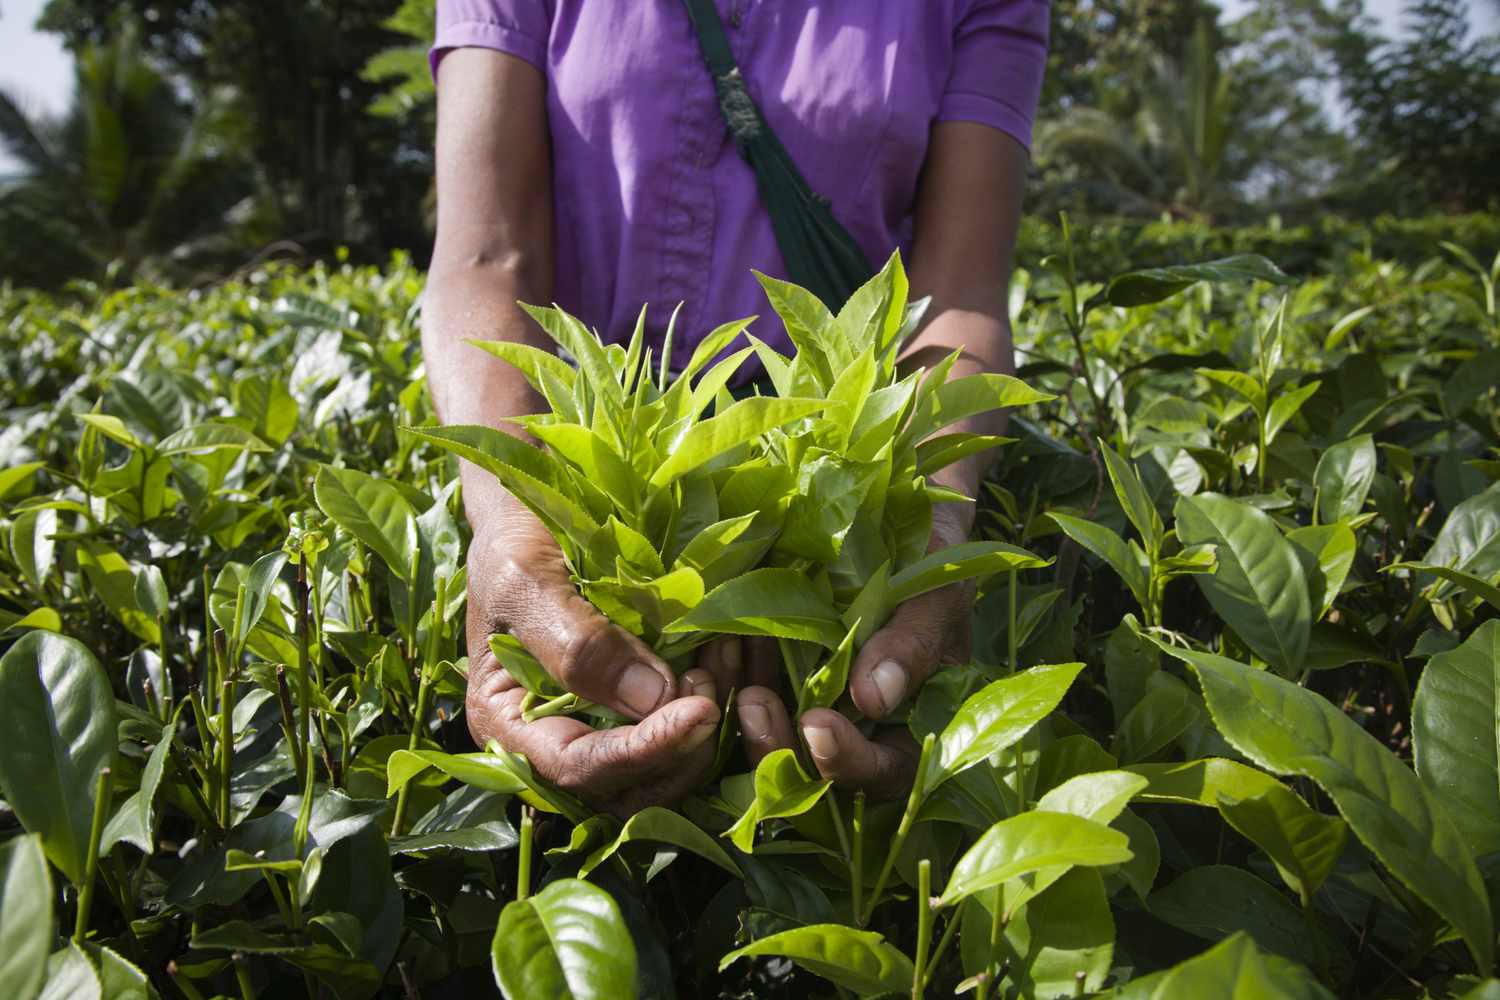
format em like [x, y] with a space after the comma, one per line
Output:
[128, 178]
[1170, 155]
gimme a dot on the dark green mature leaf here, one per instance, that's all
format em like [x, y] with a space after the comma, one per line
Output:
[861, 961]
[1290, 730]
[1455, 722]
[371, 510]
[994, 718]
[71, 975]
[1029, 843]
[1483, 589]
[1259, 588]
[1164, 713]
[567, 942]
[1062, 939]
[350, 978]
[202, 438]
[1303, 844]
[57, 712]
[1215, 901]
[1470, 538]
[769, 601]
[26, 929]
[135, 821]
[1140, 288]
[663, 826]
[1110, 547]
[1344, 476]
[119, 979]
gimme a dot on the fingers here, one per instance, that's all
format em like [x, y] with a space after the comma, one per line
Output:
[763, 721]
[762, 658]
[655, 762]
[882, 767]
[926, 632]
[529, 594]
[700, 683]
[723, 660]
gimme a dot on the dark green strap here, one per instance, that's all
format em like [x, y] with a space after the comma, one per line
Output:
[820, 254]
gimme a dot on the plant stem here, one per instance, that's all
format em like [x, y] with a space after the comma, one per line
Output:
[523, 865]
[424, 683]
[924, 926]
[183, 983]
[303, 747]
[102, 792]
[913, 803]
[226, 730]
[949, 930]
[288, 721]
[857, 858]
[1014, 640]
[242, 976]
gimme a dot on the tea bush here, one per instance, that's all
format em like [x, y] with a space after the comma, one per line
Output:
[1230, 728]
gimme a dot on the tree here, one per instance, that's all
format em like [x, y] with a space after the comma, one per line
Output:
[1426, 110]
[334, 174]
[129, 177]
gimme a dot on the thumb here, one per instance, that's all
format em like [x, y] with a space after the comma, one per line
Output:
[925, 633]
[535, 600]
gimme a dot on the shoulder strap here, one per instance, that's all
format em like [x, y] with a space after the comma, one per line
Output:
[819, 253]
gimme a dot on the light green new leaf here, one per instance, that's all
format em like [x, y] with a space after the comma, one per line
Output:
[994, 718]
[806, 319]
[1455, 722]
[1242, 385]
[57, 711]
[371, 510]
[479, 770]
[1133, 497]
[1098, 795]
[1108, 546]
[1285, 408]
[940, 452]
[972, 395]
[1290, 730]
[113, 428]
[826, 685]
[861, 961]
[1303, 844]
[1202, 782]
[1234, 969]
[663, 826]
[782, 791]
[531, 361]
[113, 582]
[32, 544]
[72, 976]
[770, 601]
[1029, 843]
[26, 928]
[1343, 477]
[740, 424]
[1259, 588]
[202, 438]
[957, 563]
[530, 474]
[568, 942]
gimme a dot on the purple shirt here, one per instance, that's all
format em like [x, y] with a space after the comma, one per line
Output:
[653, 203]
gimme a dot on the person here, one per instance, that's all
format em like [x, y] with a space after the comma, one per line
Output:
[582, 159]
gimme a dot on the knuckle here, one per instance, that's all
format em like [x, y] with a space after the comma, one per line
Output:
[586, 641]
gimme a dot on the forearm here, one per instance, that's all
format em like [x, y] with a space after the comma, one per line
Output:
[478, 301]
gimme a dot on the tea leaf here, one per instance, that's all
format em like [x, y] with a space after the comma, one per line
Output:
[25, 917]
[861, 961]
[1029, 843]
[568, 942]
[772, 602]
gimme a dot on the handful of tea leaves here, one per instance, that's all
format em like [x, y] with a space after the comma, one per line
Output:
[683, 513]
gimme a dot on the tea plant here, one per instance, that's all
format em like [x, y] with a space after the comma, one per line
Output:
[1229, 729]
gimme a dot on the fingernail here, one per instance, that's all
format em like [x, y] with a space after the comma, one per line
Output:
[699, 735]
[890, 681]
[731, 654]
[821, 741]
[755, 721]
[640, 688]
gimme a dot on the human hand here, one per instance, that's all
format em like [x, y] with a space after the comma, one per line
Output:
[923, 635]
[519, 583]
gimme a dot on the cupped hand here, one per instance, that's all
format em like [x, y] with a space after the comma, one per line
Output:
[924, 635]
[519, 583]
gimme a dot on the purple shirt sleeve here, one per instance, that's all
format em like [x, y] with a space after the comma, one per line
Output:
[999, 56]
[517, 27]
